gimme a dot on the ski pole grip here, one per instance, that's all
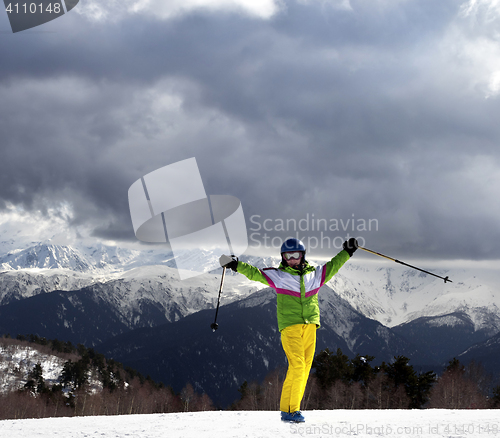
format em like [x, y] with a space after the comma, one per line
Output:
[224, 260]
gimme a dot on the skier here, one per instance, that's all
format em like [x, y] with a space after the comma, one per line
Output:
[296, 283]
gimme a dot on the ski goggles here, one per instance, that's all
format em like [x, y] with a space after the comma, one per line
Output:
[292, 255]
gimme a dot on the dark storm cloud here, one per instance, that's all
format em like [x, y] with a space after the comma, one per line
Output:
[354, 114]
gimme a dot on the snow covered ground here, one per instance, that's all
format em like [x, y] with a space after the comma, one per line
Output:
[17, 361]
[431, 423]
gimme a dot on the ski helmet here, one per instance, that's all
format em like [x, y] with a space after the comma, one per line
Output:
[293, 244]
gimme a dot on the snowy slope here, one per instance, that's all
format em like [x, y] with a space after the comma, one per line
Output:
[161, 285]
[25, 283]
[394, 295]
[435, 423]
[17, 361]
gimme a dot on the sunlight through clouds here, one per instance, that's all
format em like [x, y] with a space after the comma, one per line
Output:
[489, 8]
[26, 225]
[114, 10]
[481, 43]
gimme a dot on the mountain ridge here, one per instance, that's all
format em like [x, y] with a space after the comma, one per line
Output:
[388, 294]
[246, 346]
[120, 291]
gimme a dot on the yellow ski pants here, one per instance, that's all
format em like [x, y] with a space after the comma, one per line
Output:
[299, 343]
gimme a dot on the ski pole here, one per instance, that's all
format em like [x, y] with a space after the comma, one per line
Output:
[214, 325]
[405, 264]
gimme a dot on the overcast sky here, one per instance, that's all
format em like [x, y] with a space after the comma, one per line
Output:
[337, 110]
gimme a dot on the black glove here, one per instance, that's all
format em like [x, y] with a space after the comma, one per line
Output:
[228, 262]
[351, 246]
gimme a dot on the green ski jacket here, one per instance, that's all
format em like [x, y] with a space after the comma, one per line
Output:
[297, 291]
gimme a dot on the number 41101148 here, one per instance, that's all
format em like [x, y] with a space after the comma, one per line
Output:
[33, 8]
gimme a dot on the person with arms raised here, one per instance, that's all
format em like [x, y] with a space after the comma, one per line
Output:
[296, 283]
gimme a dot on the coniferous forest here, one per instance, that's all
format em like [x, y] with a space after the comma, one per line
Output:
[90, 384]
[337, 382]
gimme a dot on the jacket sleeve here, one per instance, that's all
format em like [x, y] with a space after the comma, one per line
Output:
[333, 266]
[252, 273]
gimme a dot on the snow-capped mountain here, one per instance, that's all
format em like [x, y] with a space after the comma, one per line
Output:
[141, 297]
[446, 336]
[121, 289]
[246, 345]
[161, 286]
[46, 256]
[444, 319]
[390, 294]
[397, 295]
[46, 267]
[24, 283]
[97, 260]
[102, 259]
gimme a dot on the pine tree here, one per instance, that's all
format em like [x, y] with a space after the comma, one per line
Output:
[331, 367]
[362, 370]
[417, 387]
[36, 382]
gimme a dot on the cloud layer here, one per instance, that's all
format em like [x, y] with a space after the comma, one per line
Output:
[342, 110]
